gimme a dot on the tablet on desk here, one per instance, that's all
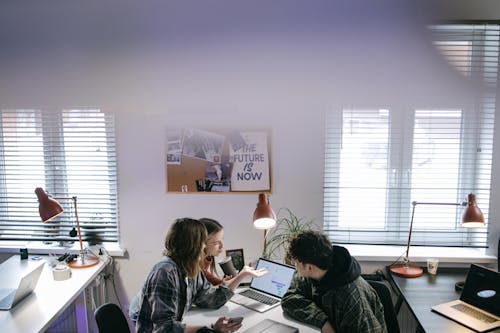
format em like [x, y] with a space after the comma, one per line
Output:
[271, 326]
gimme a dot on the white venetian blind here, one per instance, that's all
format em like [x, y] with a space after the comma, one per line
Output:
[379, 160]
[68, 153]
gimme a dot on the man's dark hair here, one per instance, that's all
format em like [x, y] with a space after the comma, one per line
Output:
[311, 247]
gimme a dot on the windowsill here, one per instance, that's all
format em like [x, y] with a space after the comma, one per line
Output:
[113, 249]
[388, 253]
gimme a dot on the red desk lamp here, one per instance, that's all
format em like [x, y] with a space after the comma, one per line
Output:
[264, 218]
[49, 208]
[471, 218]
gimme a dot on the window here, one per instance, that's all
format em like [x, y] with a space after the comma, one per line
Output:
[379, 160]
[67, 153]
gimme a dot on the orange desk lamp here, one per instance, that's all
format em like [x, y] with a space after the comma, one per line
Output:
[264, 218]
[471, 218]
[49, 208]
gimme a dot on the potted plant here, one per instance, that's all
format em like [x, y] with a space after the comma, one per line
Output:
[287, 225]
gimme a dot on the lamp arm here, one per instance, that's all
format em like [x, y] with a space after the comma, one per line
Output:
[463, 203]
[414, 204]
[82, 253]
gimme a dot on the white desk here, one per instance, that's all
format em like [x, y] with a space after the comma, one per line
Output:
[251, 317]
[39, 310]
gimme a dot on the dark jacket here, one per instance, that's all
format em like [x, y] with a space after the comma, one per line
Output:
[342, 297]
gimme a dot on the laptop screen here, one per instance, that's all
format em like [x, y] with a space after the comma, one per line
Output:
[482, 289]
[276, 281]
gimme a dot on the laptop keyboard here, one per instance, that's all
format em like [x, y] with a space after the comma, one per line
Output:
[474, 313]
[259, 297]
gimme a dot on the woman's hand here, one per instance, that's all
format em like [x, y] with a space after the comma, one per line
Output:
[223, 326]
[249, 270]
[245, 271]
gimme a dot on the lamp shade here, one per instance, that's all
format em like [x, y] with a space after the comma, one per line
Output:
[263, 216]
[472, 216]
[48, 208]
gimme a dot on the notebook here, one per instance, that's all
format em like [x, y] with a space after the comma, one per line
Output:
[10, 297]
[479, 305]
[265, 292]
[271, 326]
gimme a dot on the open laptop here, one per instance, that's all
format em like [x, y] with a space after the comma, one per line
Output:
[271, 326]
[479, 305]
[11, 296]
[265, 292]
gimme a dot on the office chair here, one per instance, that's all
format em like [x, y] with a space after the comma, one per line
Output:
[110, 319]
[391, 319]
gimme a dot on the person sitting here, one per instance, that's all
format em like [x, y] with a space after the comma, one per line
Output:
[215, 245]
[176, 282]
[328, 291]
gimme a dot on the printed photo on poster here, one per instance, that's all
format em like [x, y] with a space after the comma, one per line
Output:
[174, 147]
[202, 144]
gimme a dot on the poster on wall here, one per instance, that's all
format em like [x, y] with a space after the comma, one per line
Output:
[250, 162]
[199, 160]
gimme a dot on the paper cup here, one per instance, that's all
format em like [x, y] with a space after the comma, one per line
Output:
[432, 265]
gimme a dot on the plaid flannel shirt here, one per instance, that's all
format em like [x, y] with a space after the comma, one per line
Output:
[160, 303]
[351, 308]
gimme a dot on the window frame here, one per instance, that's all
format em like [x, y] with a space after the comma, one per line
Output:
[98, 213]
[475, 116]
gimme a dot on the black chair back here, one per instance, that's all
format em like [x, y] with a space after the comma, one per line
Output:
[110, 319]
[390, 316]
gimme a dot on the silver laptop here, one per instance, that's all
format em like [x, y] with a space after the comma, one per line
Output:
[265, 292]
[479, 305]
[271, 326]
[11, 296]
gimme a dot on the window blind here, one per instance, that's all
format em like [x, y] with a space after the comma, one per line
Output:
[67, 153]
[379, 160]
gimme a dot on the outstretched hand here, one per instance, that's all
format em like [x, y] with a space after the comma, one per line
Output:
[249, 270]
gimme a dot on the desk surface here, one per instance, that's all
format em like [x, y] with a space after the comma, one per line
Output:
[251, 317]
[37, 312]
[427, 290]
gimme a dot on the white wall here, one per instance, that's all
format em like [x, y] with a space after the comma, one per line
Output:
[219, 64]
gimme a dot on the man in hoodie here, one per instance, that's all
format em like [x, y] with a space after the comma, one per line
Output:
[328, 291]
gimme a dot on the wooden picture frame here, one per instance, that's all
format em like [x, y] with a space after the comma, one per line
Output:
[237, 258]
[218, 161]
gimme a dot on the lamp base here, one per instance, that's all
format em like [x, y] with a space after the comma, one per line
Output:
[407, 270]
[88, 262]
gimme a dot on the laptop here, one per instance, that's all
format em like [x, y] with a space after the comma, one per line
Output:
[479, 305]
[265, 292]
[9, 297]
[271, 326]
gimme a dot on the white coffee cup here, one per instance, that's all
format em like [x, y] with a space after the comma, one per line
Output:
[432, 265]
